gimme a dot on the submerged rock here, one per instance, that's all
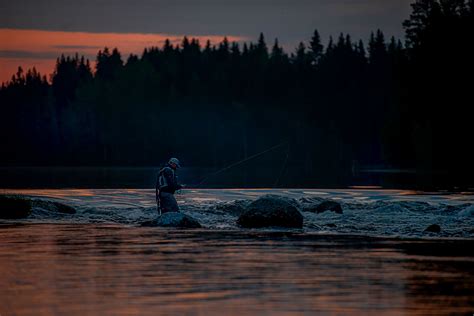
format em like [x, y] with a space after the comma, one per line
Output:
[173, 219]
[434, 228]
[17, 206]
[53, 206]
[329, 206]
[271, 210]
[326, 206]
[14, 206]
[308, 204]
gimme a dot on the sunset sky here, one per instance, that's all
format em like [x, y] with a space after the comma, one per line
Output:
[35, 32]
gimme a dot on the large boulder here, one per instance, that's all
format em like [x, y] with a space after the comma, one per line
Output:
[173, 219]
[271, 210]
[14, 207]
[235, 208]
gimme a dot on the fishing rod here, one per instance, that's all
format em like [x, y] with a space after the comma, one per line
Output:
[241, 162]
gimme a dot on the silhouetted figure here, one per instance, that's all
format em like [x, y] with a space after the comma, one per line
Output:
[166, 185]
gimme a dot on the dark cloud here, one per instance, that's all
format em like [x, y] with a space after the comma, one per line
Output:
[23, 54]
[289, 20]
[27, 54]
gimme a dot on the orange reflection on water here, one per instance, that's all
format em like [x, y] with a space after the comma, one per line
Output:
[103, 269]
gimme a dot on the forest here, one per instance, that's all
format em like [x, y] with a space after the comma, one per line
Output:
[392, 103]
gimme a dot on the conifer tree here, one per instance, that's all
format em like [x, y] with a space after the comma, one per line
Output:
[317, 49]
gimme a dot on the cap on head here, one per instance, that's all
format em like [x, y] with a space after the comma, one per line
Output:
[175, 161]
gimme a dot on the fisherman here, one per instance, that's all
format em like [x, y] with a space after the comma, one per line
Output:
[166, 185]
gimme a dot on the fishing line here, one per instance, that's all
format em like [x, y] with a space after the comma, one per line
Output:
[241, 162]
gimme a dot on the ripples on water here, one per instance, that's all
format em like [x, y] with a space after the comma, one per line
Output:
[101, 269]
[103, 264]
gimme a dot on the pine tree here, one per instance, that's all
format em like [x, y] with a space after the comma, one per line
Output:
[316, 48]
[302, 60]
[84, 70]
[168, 48]
[361, 49]
[235, 50]
[330, 47]
[377, 48]
[185, 43]
[108, 65]
[424, 12]
[261, 49]
[277, 52]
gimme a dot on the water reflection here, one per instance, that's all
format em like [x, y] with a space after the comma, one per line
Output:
[104, 269]
[146, 196]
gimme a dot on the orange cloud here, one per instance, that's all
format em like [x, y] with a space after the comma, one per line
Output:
[36, 48]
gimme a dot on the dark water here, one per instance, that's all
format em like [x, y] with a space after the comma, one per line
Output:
[99, 269]
[86, 177]
[246, 175]
[375, 258]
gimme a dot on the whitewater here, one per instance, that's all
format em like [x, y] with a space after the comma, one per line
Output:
[367, 212]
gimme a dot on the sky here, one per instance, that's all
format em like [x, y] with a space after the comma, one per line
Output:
[35, 32]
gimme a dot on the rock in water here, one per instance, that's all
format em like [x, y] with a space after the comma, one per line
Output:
[53, 206]
[174, 219]
[271, 210]
[329, 206]
[14, 206]
[433, 228]
[235, 208]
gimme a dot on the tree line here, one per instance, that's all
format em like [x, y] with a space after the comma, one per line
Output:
[388, 103]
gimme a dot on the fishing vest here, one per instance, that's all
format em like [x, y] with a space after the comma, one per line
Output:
[162, 182]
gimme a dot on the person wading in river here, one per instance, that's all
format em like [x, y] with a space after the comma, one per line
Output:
[166, 185]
